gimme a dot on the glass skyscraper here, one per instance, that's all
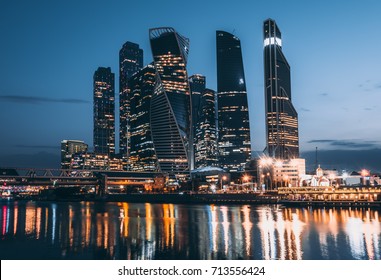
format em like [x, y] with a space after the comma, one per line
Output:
[197, 87]
[130, 61]
[142, 154]
[170, 104]
[281, 116]
[104, 112]
[233, 115]
[206, 131]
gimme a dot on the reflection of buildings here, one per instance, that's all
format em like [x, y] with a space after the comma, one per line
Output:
[233, 114]
[104, 112]
[281, 116]
[68, 148]
[168, 231]
[170, 104]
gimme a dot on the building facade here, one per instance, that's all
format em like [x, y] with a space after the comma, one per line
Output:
[130, 61]
[68, 148]
[233, 114]
[282, 136]
[104, 112]
[206, 152]
[170, 104]
[142, 153]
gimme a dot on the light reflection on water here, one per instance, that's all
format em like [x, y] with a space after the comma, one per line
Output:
[86, 230]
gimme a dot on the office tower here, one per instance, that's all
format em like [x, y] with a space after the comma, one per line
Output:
[281, 117]
[68, 148]
[142, 154]
[104, 112]
[206, 131]
[130, 61]
[197, 87]
[233, 115]
[170, 104]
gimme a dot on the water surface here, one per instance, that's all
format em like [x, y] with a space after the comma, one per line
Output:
[94, 230]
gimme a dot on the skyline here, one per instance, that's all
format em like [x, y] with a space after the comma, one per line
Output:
[346, 123]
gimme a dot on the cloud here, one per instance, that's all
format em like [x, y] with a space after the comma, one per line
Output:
[324, 94]
[39, 100]
[37, 147]
[352, 144]
[368, 109]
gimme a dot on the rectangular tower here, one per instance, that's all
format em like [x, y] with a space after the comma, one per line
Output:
[104, 112]
[130, 61]
[142, 154]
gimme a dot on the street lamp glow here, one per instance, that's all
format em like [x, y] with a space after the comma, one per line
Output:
[246, 178]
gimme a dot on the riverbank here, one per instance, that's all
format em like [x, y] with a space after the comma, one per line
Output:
[218, 199]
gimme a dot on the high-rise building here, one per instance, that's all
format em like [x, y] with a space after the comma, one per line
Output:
[233, 114]
[206, 131]
[104, 112]
[142, 154]
[170, 104]
[68, 148]
[196, 87]
[130, 61]
[281, 117]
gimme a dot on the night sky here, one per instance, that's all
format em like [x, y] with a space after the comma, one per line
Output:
[49, 51]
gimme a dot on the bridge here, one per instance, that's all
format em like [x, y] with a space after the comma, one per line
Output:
[102, 181]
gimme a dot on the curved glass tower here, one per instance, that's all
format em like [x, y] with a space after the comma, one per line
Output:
[233, 114]
[281, 117]
[170, 104]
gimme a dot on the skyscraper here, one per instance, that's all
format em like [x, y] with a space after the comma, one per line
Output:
[68, 148]
[281, 117]
[206, 131]
[170, 104]
[196, 87]
[142, 154]
[233, 115]
[104, 112]
[130, 61]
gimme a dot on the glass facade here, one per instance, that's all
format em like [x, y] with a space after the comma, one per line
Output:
[197, 87]
[170, 104]
[206, 131]
[104, 112]
[142, 154]
[130, 61]
[233, 115]
[281, 116]
[68, 148]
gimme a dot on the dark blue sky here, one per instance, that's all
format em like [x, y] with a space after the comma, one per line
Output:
[49, 51]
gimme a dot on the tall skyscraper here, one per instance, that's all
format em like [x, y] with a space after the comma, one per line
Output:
[206, 131]
[196, 87]
[170, 104]
[68, 148]
[281, 116]
[142, 154]
[233, 114]
[104, 112]
[130, 61]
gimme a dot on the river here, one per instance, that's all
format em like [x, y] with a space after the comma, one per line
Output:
[99, 230]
